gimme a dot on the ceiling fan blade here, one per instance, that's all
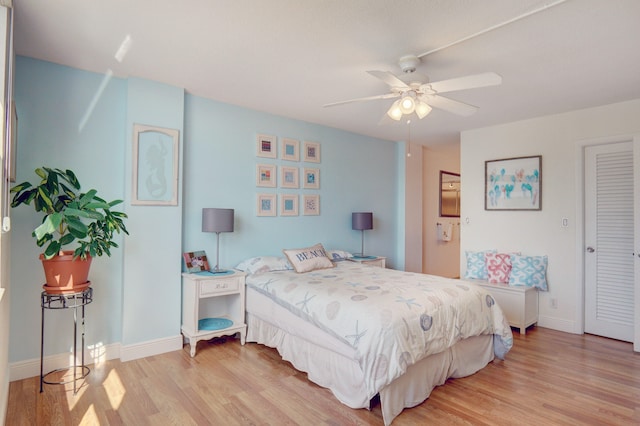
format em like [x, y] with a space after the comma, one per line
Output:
[463, 83]
[450, 105]
[391, 80]
[368, 98]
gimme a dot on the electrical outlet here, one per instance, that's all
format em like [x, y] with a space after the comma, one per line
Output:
[553, 303]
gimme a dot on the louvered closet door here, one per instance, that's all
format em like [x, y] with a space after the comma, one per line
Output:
[609, 238]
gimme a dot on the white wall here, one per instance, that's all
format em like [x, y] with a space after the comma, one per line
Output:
[440, 258]
[413, 212]
[557, 139]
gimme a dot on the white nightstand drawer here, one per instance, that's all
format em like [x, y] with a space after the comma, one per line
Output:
[208, 288]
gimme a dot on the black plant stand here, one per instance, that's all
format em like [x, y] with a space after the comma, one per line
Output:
[66, 301]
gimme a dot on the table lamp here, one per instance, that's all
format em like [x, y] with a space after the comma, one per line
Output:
[217, 220]
[361, 221]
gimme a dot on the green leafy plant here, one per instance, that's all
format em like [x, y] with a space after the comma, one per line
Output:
[70, 216]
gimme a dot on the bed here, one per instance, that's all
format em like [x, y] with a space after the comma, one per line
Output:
[363, 331]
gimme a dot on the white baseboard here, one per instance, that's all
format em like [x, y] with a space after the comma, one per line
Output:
[150, 348]
[567, 326]
[95, 355]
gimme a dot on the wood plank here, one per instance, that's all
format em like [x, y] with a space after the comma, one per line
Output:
[549, 377]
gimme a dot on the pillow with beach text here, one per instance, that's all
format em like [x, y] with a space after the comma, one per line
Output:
[309, 258]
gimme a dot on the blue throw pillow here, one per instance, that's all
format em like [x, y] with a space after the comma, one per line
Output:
[529, 271]
[477, 265]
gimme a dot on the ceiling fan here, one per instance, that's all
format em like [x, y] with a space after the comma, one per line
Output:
[420, 96]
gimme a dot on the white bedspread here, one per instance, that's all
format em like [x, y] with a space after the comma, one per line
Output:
[391, 318]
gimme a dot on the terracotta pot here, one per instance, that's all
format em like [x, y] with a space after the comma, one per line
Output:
[64, 274]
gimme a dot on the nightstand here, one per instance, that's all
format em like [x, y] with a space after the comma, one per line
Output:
[370, 260]
[212, 306]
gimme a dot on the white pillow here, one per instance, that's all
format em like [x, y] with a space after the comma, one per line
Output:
[261, 264]
[308, 259]
[338, 255]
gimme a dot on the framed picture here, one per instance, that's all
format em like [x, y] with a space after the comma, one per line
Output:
[311, 152]
[513, 183]
[289, 177]
[266, 175]
[288, 205]
[266, 204]
[155, 166]
[311, 205]
[266, 146]
[196, 261]
[311, 179]
[290, 149]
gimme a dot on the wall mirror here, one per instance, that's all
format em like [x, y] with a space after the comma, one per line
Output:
[449, 194]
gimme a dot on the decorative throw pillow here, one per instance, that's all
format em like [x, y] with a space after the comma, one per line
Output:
[498, 267]
[309, 258]
[338, 255]
[258, 265]
[529, 271]
[476, 264]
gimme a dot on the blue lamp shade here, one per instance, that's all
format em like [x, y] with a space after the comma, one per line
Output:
[361, 220]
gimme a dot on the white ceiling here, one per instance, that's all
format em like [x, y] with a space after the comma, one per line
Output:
[290, 57]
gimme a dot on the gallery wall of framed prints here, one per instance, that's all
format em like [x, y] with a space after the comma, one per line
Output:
[291, 187]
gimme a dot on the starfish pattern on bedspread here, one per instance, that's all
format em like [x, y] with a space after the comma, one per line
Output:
[392, 318]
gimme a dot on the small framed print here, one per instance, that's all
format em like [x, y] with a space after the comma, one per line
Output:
[290, 149]
[266, 175]
[311, 152]
[266, 146]
[289, 177]
[311, 205]
[196, 261]
[266, 204]
[288, 205]
[311, 179]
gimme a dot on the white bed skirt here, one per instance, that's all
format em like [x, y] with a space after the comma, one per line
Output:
[331, 363]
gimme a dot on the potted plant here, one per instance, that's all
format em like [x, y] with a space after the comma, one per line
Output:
[70, 216]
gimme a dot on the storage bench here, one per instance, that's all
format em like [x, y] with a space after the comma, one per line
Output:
[519, 304]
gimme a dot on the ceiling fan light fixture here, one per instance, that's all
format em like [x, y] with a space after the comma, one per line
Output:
[395, 112]
[407, 104]
[422, 109]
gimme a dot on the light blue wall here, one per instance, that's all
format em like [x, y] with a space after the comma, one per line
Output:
[218, 170]
[52, 103]
[152, 254]
[357, 173]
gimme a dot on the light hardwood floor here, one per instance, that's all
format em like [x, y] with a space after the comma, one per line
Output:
[549, 378]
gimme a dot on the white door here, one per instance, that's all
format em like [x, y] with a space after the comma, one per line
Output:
[609, 240]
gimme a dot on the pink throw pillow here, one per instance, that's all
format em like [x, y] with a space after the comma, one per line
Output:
[498, 267]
